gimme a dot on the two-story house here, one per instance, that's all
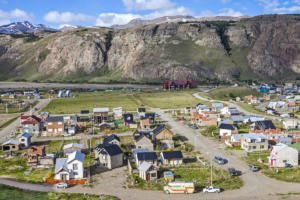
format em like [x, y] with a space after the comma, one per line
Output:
[24, 140]
[109, 155]
[54, 126]
[143, 140]
[34, 154]
[163, 136]
[254, 142]
[31, 124]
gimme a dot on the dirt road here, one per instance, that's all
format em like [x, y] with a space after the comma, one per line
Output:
[4, 133]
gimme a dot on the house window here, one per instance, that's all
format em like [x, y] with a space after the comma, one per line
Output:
[284, 161]
[50, 130]
[262, 146]
[75, 167]
[50, 123]
[153, 175]
[59, 129]
[59, 123]
[75, 173]
[22, 140]
[254, 147]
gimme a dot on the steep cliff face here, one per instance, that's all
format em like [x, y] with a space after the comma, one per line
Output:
[259, 47]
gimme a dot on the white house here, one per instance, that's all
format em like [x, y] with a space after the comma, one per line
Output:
[228, 110]
[254, 142]
[217, 106]
[228, 129]
[171, 157]
[71, 167]
[290, 124]
[24, 140]
[282, 154]
[147, 171]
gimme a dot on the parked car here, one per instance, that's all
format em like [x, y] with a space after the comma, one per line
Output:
[62, 185]
[288, 165]
[254, 168]
[219, 160]
[211, 189]
[179, 118]
[234, 172]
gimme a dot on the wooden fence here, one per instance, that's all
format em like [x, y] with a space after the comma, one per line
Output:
[72, 182]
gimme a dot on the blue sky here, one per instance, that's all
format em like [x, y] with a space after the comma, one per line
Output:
[108, 12]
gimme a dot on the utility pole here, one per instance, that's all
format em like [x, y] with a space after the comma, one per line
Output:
[211, 174]
[6, 108]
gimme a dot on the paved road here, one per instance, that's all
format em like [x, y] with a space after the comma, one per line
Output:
[4, 133]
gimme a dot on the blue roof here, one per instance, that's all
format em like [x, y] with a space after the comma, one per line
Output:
[55, 119]
[147, 156]
[169, 173]
[25, 134]
[217, 105]
[237, 118]
[229, 126]
[11, 141]
[61, 163]
[136, 151]
[172, 154]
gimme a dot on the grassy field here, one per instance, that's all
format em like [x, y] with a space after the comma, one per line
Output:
[168, 99]
[157, 99]
[88, 101]
[282, 174]
[251, 108]
[227, 93]
[12, 193]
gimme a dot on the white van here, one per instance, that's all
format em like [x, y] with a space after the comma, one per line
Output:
[179, 187]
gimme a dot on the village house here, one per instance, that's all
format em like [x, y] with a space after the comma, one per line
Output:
[143, 140]
[282, 154]
[71, 167]
[109, 155]
[128, 119]
[253, 142]
[217, 107]
[31, 124]
[171, 158]
[211, 114]
[145, 123]
[202, 108]
[71, 130]
[72, 147]
[147, 172]
[44, 115]
[149, 157]
[151, 117]
[35, 154]
[267, 97]
[230, 111]
[24, 140]
[252, 118]
[10, 145]
[118, 112]
[163, 136]
[227, 130]
[141, 112]
[234, 140]
[251, 98]
[54, 126]
[104, 126]
[200, 120]
[290, 124]
[100, 115]
[112, 139]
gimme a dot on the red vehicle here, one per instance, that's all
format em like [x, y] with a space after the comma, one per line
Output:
[179, 118]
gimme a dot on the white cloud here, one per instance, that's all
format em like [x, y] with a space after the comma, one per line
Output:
[274, 6]
[65, 25]
[67, 17]
[148, 4]
[169, 12]
[109, 19]
[225, 1]
[14, 15]
[230, 12]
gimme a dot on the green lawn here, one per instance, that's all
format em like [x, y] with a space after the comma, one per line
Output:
[251, 108]
[201, 176]
[88, 101]
[13, 193]
[169, 99]
[227, 93]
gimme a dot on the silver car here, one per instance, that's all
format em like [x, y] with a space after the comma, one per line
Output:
[63, 185]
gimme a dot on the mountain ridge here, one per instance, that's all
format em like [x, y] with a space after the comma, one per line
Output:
[257, 48]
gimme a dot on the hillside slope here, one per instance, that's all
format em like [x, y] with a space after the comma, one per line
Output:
[263, 47]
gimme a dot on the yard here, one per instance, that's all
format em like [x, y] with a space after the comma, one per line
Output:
[168, 99]
[8, 192]
[283, 174]
[227, 93]
[90, 100]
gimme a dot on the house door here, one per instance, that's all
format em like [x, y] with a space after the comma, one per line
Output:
[148, 177]
[63, 176]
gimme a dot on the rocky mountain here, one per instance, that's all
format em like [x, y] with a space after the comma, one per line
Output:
[258, 48]
[24, 27]
[175, 19]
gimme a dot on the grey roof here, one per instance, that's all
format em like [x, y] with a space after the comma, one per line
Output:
[236, 137]
[55, 119]
[11, 141]
[158, 129]
[144, 166]
[61, 163]
[100, 110]
[147, 156]
[128, 117]
[172, 154]
[237, 118]
[217, 105]
[254, 136]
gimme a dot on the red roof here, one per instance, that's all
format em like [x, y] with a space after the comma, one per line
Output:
[30, 122]
[34, 118]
